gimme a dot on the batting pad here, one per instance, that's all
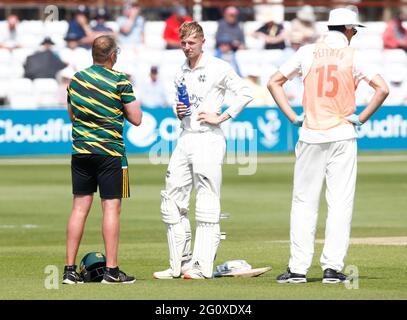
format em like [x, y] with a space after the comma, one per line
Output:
[176, 243]
[207, 207]
[187, 252]
[206, 244]
[169, 210]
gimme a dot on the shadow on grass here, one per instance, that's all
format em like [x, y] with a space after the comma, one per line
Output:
[360, 278]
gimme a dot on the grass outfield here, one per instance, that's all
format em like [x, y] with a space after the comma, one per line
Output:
[35, 202]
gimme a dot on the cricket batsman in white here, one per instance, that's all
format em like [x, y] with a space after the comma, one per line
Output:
[326, 149]
[198, 157]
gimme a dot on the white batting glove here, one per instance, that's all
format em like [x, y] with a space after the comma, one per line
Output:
[354, 119]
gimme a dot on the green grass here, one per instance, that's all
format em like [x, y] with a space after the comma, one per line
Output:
[259, 207]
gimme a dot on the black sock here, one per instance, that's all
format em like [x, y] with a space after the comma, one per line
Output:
[113, 271]
[70, 268]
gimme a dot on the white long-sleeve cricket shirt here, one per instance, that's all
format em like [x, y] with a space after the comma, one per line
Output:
[207, 84]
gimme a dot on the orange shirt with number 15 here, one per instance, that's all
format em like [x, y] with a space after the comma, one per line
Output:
[329, 88]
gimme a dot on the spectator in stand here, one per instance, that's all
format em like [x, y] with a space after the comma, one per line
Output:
[225, 52]
[273, 34]
[43, 63]
[152, 93]
[395, 35]
[102, 15]
[303, 26]
[80, 26]
[295, 42]
[131, 25]
[229, 25]
[75, 56]
[172, 25]
[8, 35]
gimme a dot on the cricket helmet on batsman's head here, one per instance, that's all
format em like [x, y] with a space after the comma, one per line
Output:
[92, 267]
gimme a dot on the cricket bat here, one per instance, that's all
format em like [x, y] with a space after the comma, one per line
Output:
[242, 273]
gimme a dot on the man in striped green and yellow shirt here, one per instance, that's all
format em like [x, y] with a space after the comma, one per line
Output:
[99, 99]
[97, 95]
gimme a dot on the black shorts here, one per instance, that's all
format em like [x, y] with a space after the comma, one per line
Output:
[92, 170]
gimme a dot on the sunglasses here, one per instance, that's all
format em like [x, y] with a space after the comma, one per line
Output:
[117, 50]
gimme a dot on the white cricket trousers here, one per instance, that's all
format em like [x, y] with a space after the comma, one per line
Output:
[335, 162]
[196, 162]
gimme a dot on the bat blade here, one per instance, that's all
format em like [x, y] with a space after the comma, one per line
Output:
[244, 273]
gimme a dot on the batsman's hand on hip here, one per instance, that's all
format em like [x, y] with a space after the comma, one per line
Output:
[209, 118]
[354, 119]
[181, 110]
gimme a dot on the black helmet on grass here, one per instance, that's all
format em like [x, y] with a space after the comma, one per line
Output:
[92, 267]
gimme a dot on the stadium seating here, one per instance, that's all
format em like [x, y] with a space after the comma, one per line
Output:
[395, 56]
[153, 32]
[46, 92]
[5, 56]
[4, 84]
[57, 31]
[20, 55]
[251, 42]
[21, 94]
[137, 61]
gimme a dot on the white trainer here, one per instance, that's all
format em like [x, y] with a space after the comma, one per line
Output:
[166, 274]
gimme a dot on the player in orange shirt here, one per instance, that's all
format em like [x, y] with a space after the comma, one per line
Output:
[327, 148]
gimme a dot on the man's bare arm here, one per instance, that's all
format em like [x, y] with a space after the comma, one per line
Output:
[275, 86]
[381, 93]
[71, 116]
[132, 112]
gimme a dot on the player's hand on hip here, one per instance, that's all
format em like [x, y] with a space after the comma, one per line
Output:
[299, 120]
[181, 110]
[354, 119]
[209, 118]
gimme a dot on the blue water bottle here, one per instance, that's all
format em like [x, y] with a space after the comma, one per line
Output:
[183, 97]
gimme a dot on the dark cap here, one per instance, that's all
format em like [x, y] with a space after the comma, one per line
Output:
[154, 69]
[82, 9]
[102, 13]
[47, 40]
